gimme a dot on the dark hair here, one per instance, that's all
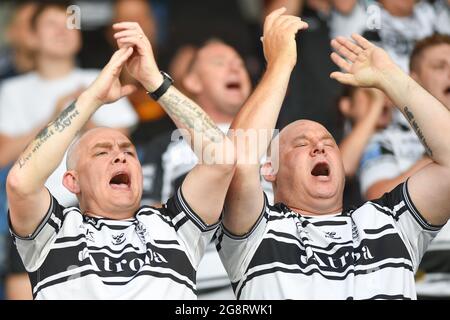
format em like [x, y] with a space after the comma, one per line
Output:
[424, 44]
[42, 6]
[197, 49]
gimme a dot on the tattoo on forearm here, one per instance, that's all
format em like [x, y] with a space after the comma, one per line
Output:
[191, 115]
[412, 121]
[63, 121]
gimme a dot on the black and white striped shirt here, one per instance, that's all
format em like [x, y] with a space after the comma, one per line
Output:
[369, 253]
[153, 255]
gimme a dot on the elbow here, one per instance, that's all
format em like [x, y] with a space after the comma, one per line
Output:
[15, 184]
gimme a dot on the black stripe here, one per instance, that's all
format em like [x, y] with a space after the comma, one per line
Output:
[167, 242]
[435, 261]
[389, 297]
[379, 230]
[69, 239]
[89, 272]
[383, 266]
[165, 218]
[53, 224]
[180, 223]
[111, 227]
[291, 237]
[369, 252]
[329, 223]
[285, 270]
[379, 209]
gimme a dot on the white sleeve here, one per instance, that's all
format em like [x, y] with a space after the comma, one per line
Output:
[34, 249]
[119, 114]
[194, 233]
[377, 163]
[415, 231]
[236, 252]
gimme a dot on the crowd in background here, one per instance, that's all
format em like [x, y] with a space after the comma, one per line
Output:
[212, 49]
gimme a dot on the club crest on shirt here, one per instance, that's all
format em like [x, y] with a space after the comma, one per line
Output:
[118, 239]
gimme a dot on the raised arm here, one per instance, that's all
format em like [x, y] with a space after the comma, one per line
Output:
[257, 118]
[27, 196]
[205, 187]
[370, 66]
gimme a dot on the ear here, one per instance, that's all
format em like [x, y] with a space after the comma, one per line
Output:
[192, 83]
[345, 105]
[70, 181]
[268, 173]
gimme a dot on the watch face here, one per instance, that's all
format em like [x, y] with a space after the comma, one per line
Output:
[167, 76]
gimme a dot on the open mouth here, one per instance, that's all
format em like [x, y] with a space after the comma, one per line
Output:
[121, 180]
[233, 85]
[321, 169]
[447, 91]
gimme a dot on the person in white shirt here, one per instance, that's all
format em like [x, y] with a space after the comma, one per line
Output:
[305, 246]
[29, 101]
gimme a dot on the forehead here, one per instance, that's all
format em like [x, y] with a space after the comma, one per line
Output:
[305, 130]
[102, 136]
[440, 51]
[217, 50]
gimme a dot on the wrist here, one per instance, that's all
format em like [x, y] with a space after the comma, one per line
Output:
[390, 76]
[153, 82]
[88, 99]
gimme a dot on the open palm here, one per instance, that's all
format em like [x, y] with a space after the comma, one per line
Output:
[364, 62]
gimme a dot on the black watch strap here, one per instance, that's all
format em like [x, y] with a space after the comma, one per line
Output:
[167, 82]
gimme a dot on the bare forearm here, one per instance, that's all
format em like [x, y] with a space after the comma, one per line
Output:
[427, 116]
[261, 110]
[189, 116]
[46, 151]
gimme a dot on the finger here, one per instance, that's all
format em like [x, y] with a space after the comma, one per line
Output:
[343, 50]
[127, 90]
[125, 25]
[356, 49]
[123, 54]
[344, 78]
[337, 59]
[286, 23]
[126, 33]
[131, 42]
[268, 22]
[363, 42]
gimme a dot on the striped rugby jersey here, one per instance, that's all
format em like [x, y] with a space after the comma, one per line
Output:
[153, 255]
[368, 253]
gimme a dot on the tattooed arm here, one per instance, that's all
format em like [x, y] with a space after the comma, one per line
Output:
[205, 187]
[370, 66]
[28, 198]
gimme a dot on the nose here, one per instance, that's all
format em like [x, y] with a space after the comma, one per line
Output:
[120, 158]
[317, 149]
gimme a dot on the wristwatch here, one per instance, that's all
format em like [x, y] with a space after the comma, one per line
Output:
[167, 82]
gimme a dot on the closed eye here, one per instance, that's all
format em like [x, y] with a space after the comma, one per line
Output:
[100, 153]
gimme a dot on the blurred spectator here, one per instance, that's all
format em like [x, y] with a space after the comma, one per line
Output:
[152, 118]
[366, 112]
[430, 67]
[402, 23]
[442, 9]
[348, 16]
[312, 94]
[217, 80]
[20, 58]
[29, 101]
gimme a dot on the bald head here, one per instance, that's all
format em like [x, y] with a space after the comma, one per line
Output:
[73, 152]
[299, 129]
